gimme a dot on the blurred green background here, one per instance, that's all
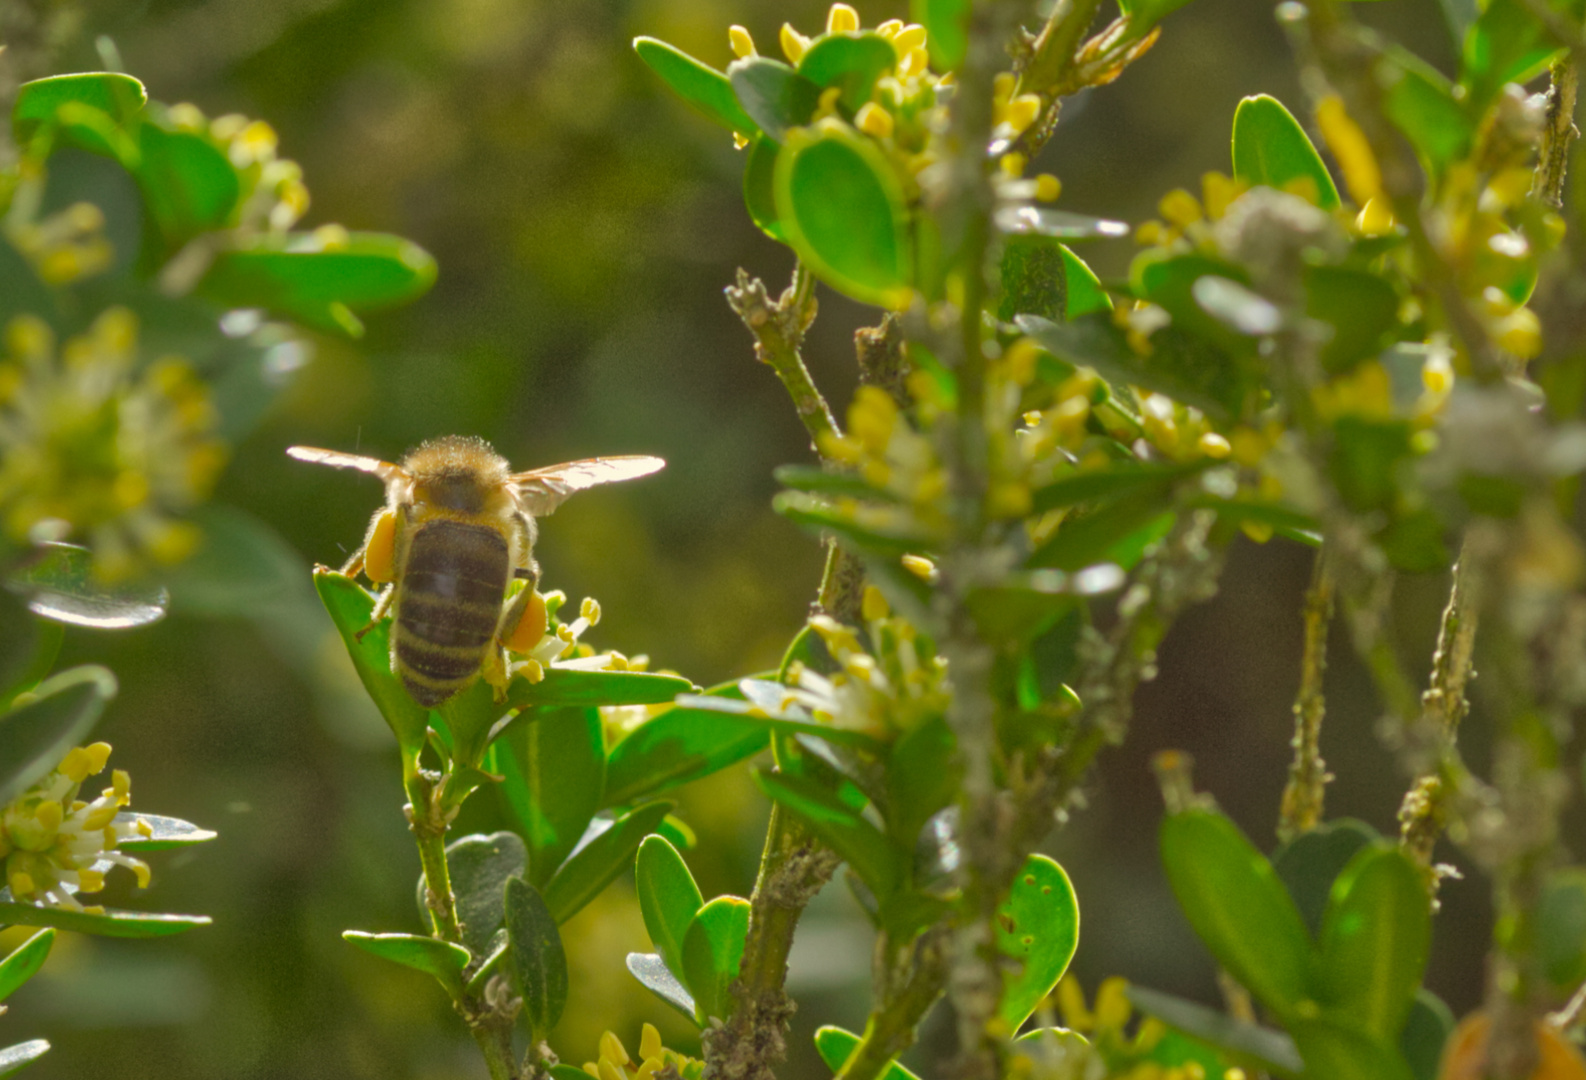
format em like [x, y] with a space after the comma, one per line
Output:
[585, 224]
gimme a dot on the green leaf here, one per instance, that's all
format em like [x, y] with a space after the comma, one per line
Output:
[702, 86]
[852, 62]
[773, 95]
[320, 279]
[164, 833]
[108, 923]
[1425, 1032]
[1361, 308]
[118, 96]
[575, 686]
[815, 480]
[1237, 906]
[712, 951]
[350, 607]
[188, 183]
[1147, 13]
[767, 709]
[539, 964]
[34, 737]
[1085, 294]
[28, 649]
[1109, 481]
[1025, 606]
[652, 971]
[922, 778]
[1310, 863]
[759, 187]
[946, 24]
[605, 851]
[668, 897]
[553, 775]
[1119, 532]
[1421, 103]
[1271, 148]
[841, 203]
[1034, 279]
[13, 1058]
[1561, 928]
[836, 1045]
[1038, 926]
[24, 962]
[1505, 44]
[1376, 935]
[60, 584]
[432, 956]
[1339, 1051]
[677, 747]
[819, 516]
[1270, 1049]
[877, 861]
[480, 866]
[1365, 458]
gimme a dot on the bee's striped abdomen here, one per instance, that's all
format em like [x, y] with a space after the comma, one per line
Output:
[448, 603]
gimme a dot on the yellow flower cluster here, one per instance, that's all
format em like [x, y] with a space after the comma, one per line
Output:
[885, 449]
[55, 845]
[63, 247]
[891, 687]
[273, 194]
[95, 446]
[1127, 1057]
[615, 1064]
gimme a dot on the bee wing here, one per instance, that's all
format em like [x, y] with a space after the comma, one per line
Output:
[338, 460]
[541, 491]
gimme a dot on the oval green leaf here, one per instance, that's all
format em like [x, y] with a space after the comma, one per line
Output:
[108, 923]
[119, 96]
[1266, 1048]
[577, 686]
[668, 897]
[1427, 1030]
[677, 747]
[701, 85]
[774, 96]
[712, 951]
[13, 1058]
[24, 962]
[1038, 926]
[652, 971]
[61, 585]
[1310, 863]
[851, 62]
[605, 851]
[480, 866]
[321, 278]
[188, 183]
[1376, 935]
[350, 607]
[759, 187]
[1561, 928]
[553, 771]
[1238, 907]
[946, 23]
[34, 737]
[1339, 1051]
[432, 956]
[1271, 148]
[841, 204]
[539, 964]
[874, 858]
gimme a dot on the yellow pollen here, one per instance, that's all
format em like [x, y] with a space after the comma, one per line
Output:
[873, 120]
[101, 817]
[533, 671]
[1351, 148]
[76, 765]
[920, 567]
[1112, 1004]
[90, 881]
[98, 756]
[793, 43]
[1217, 192]
[873, 606]
[1180, 208]
[1148, 233]
[612, 1050]
[742, 44]
[49, 814]
[590, 609]
[649, 1042]
[1375, 219]
[1012, 165]
[120, 784]
[145, 830]
[738, 141]
[1022, 111]
[914, 62]
[842, 19]
[1048, 187]
[1071, 1003]
[1002, 87]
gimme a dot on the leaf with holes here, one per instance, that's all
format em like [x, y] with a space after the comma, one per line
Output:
[1038, 926]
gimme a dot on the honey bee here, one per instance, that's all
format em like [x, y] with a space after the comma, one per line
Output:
[457, 527]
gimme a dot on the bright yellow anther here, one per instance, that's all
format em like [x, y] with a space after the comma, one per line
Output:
[1071, 1003]
[590, 609]
[1350, 147]
[909, 38]
[873, 606]
[1437, 375]
[1148, 233]
[1214, 445]
[842, 19]
[738, 141]
[741, 41]
[1022, 111]
[647, 1070]
[890, 28]
[828, 101]
[49, 814]
[144, 829]
[532, 670]
[1002, 87]
[592, 1069]
[21, 883]
[1218, 192]
[794, 43]
[873, 120]
[121, 784]
[1012, 165]
[1048, 187]
[1259, 531]
[1180, 208]
[98, 756]
[77, 766]
[90, 881]
[1375, 218]
[612, 1050]
[1112, 1004]
[650, 1045]
[1520, 334]
[871, 418]
[610, 1071]
[920, 567]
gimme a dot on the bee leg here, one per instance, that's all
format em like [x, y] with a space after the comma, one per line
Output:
[381, 607]
[354, 564]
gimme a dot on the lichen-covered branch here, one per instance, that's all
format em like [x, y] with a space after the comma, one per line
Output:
[1558, 132]
[1303, 798]
[778, 327]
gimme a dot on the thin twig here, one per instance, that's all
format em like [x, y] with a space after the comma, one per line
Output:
[1304, 796]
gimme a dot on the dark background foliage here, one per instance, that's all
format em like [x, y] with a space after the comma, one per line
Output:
[585, 224]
